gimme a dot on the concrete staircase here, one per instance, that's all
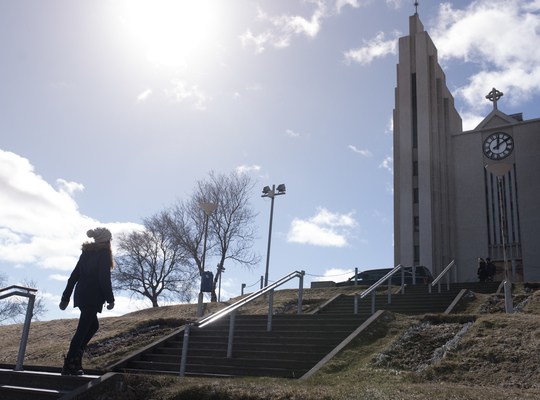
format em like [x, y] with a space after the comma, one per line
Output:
[415, 300]
[38, 385]
[293, 346]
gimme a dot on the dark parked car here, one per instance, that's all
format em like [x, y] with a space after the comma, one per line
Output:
[369, 277]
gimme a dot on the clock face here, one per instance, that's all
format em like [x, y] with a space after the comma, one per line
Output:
[498, 145]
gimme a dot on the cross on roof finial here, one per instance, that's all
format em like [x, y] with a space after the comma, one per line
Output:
[494, 96]
[416, 8]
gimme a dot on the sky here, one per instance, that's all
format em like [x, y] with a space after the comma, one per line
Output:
[112, 110]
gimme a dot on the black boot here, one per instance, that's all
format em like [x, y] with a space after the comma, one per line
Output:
[72, 367]
[78, 361]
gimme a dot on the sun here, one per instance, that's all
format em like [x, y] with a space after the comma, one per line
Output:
[173, 33]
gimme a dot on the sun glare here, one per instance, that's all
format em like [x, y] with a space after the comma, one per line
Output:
[173, 33]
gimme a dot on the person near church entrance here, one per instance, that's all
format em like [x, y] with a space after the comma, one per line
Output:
[482, 270]
[490, 269]
[91, 279]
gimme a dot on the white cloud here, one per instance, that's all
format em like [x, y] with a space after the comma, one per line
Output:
[69, 187]
[501, 38]
[336, 274]
[362, 152]
[257, 42]
[182, 91]
[244, 169]
[230, 288]
[342, 3]
[470, 120]
[292, 133]
[388, 164]
[377, 47]
[281, 29]
[144, 95]
[59, 277]
[40, 225]
[296, 25]
[395, 4]
[390, 126]
[324, 229]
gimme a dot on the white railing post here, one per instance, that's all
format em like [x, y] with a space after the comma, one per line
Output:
[183, 360]
[446, 271]
[270, 310]
[30, 294]
[390, 289]
[300, 291]
[402, 279]
[26, 331]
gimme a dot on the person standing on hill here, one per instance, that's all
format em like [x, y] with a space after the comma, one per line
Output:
[491, 269]
[482, 270]
[91, 279]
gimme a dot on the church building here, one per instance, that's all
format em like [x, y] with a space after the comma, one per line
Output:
[461, 195]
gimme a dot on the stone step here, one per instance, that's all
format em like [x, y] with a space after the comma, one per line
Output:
[38, 384]
[25, 393]
[220, 368]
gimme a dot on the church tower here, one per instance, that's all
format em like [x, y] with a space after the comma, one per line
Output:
[424, 119]
[461, 195]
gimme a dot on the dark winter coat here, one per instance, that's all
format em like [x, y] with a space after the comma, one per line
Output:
[92, 277]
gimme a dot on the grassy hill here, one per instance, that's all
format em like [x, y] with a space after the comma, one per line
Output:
[480, 354]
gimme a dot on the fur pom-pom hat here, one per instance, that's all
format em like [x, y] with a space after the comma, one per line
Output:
[100, 235]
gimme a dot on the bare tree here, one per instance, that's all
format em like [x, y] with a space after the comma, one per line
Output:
[186, 225]
[151, 263]
[231, 229]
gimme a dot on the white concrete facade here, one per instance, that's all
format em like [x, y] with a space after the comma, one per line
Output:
[446, 203]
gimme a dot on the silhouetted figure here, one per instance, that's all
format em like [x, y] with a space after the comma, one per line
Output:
[491, 269]
[91, 279]
[482, 270]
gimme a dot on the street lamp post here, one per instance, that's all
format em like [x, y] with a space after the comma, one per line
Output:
[208, 209]
[271, 193]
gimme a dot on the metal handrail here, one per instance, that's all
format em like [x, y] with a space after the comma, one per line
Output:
[385, 278]
[371, 290]
[248, 299]
[15, 287]
[388, 277]
[24, 292]
[231, 311]
[444, 272]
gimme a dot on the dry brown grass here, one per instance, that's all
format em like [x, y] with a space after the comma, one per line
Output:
[497, 357]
